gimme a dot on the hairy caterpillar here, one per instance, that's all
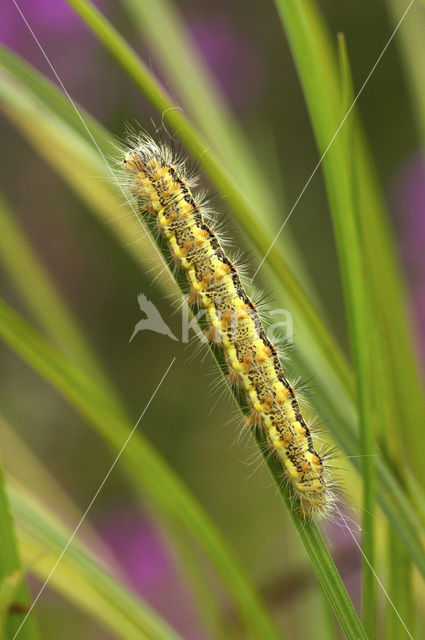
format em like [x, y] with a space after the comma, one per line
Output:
[164, 188]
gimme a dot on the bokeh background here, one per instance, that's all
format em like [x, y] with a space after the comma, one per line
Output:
[190, 422]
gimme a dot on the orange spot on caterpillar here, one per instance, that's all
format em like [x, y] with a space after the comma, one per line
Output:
[225, 319]
[316, 486]
[253, 419]
[286, 440]
[233, 378]
[193, 297]
[268, 402]
[202, 235]
[221, 271]
[247, 362]
[186, 246]
[263, 353]
[206, 279]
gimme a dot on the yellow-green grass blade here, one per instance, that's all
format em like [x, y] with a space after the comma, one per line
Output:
[411, 44]
[80, 576]
[13, 589]
[144, 465]
[385, 408]
[44, 301]
[32, 472]
[77, 161]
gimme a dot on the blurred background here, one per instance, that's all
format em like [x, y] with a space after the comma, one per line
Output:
[191, 423]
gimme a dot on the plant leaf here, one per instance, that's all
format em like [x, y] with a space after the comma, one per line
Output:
[144, 465]
[13, 588]
[80, 576]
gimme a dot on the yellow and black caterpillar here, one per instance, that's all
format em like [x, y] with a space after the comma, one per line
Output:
[234, 323]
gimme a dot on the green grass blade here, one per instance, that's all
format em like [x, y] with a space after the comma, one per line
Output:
[39, 293]
[401, 590]
[379, 247]
[13, 587]
[144, 465]
[411, 38]
[392, 354]
[366, 348]
[313, 68]
[36, 288]
[80, 576]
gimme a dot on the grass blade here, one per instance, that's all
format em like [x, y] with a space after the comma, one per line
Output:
[391, 354]
[80, 576]
[144, 465]
[366, 348]
[77, 161]
[411, 39]
[320, 93]
[36, 288]
[13, 587]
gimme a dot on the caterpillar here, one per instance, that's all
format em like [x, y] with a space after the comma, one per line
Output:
[165, 190]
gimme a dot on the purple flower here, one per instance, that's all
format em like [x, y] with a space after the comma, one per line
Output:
[231, 58]
[49, 19]
[67, 42]
[149, 569]
[410, 200]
